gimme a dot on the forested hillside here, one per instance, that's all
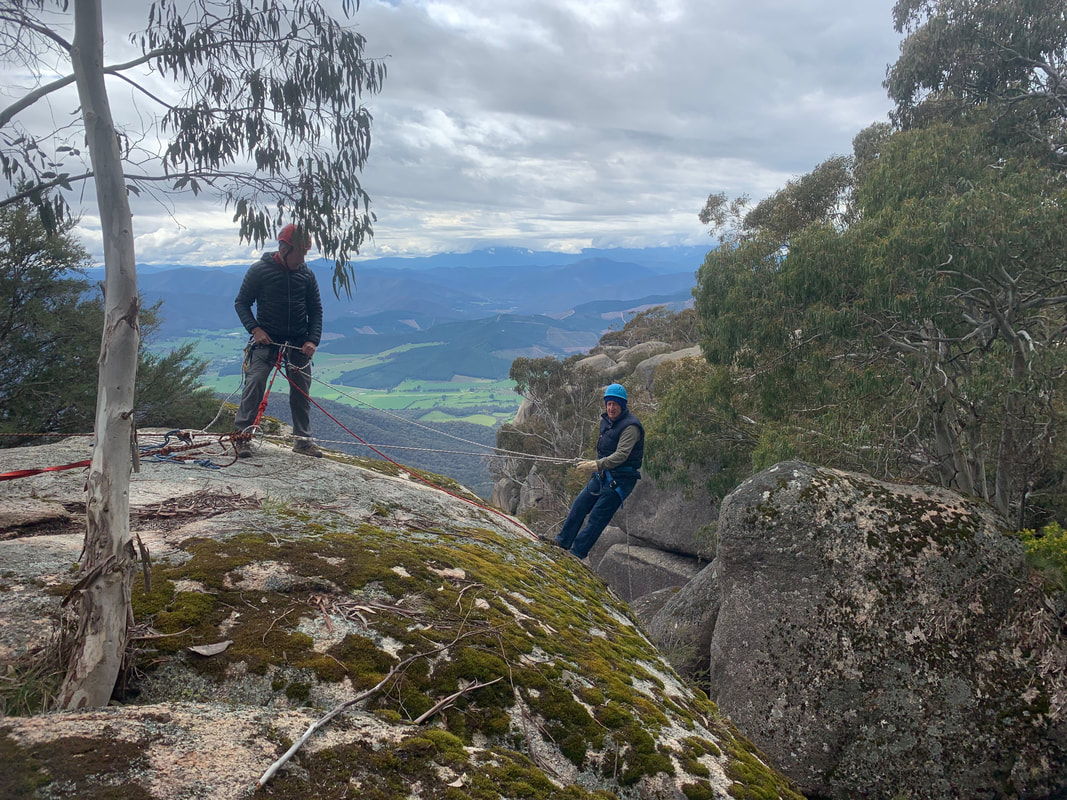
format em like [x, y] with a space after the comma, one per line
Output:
[901, 310]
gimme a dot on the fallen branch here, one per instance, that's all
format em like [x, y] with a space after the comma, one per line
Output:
[322, 721]
[450, 699]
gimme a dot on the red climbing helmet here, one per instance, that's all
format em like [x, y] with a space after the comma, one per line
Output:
[292, 234]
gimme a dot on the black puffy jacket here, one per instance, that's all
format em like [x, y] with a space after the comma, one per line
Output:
[288, 305]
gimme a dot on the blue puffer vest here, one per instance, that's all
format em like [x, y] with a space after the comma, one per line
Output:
[609, 442]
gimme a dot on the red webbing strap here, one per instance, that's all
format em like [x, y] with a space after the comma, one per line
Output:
[263, 403]
[164, 451]
[25, 473]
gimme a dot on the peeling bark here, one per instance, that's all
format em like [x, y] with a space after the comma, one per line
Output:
[103, 601]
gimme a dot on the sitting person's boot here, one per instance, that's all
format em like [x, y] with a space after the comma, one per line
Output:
[306, 447]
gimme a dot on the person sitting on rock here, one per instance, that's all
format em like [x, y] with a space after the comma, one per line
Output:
[615, 473]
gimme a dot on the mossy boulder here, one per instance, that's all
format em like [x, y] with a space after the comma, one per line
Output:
[878, 640]
[472, 660]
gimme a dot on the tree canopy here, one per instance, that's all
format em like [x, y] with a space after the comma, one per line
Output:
[50, 321]
[258, 105]
[960, 54]
[902, 310]
[921, 341]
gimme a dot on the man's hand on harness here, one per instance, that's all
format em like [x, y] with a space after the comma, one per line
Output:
[586, 467]
[260, 336]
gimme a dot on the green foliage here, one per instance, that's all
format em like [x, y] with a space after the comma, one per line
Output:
[696, 425]
[812, 199]
[49, 332]
[657, 324]
[900, 312]
[919, 341]
[268, 117]
[1047, 549]
[169, 393]
[50, 342]
[959, 54]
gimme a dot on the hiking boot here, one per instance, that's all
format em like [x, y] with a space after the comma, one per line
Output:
[244, 448]
[306, 447]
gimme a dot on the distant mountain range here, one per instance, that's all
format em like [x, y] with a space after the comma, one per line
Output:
[471, 314]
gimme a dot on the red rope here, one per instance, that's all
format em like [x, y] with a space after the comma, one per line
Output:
[167, 450]
[25, 473]
[266, 394]
[413, 474]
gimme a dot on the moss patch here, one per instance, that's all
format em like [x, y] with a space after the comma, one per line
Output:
[753, 779]
[444, 609]
[87, 767]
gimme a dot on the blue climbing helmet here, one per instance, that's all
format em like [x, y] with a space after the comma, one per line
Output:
[616, 392]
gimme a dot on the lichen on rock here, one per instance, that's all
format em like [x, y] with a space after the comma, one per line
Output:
[878, 640]
[491, 665]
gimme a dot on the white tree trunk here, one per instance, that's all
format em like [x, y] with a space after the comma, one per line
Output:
[107, 562]
[1007, 452]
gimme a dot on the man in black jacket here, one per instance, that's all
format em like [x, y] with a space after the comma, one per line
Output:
[288, 318]
[616, 470]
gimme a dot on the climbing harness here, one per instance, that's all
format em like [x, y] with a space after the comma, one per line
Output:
[608, 481]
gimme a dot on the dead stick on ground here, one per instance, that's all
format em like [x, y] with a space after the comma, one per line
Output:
[273, 768]
[450, 699]
[319, 723]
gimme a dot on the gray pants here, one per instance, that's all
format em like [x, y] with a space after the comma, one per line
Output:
[258, 366]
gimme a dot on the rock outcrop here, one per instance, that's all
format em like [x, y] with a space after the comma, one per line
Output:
[877, 640]
[471, 659]
[668, 530]
[645, 371]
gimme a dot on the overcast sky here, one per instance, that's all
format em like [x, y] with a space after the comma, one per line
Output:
[563, 124]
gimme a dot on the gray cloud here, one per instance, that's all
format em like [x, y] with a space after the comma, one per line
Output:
[561, 124]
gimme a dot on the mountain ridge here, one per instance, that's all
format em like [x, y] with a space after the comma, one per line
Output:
[471, 319]
[666, 258]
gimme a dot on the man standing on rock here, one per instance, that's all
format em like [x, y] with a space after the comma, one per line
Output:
[288, 318]
[615, 473]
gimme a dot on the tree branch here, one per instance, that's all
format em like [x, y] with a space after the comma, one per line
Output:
[447, 701]
[29, 99]
[26, 194]
[323, 720]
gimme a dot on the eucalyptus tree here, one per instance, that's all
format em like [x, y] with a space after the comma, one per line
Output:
[924, 340]
[257, 104]
[907, 316]
[959, 54]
